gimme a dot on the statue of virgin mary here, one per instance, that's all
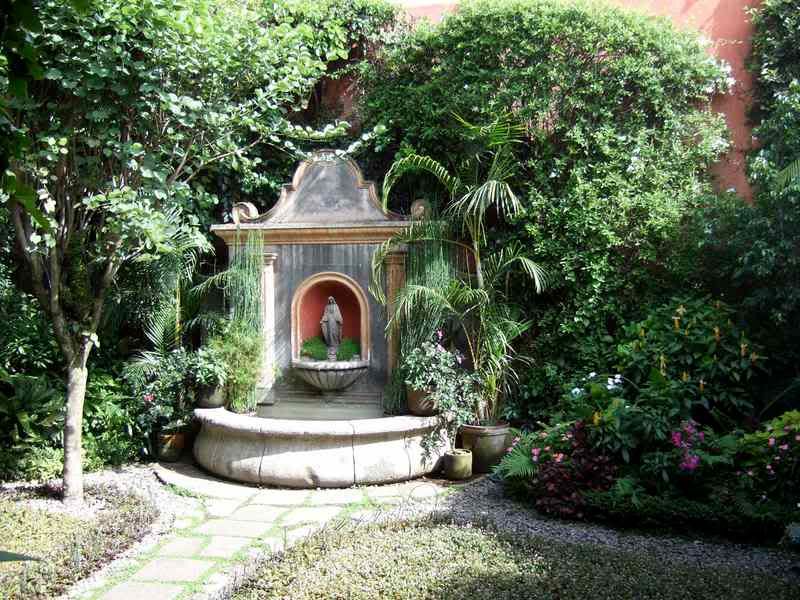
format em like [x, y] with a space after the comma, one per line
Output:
[331, 324]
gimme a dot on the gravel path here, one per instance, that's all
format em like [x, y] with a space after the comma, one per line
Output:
[484, 501]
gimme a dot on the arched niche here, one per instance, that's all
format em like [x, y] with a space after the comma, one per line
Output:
[308, 304]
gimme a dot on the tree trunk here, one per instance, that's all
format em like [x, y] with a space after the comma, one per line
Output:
[77, 375]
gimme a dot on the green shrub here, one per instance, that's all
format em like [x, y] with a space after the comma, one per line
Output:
[240, 350]
[695, 341]
[315, 348]
[619, 136]
[675, 513]
[769, 462]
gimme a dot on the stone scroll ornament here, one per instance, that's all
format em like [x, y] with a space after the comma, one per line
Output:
[331, 323]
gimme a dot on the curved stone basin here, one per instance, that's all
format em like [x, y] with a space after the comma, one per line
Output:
[310, 454]
[330, 375]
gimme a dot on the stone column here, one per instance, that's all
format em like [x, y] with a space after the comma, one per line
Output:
[395, 263]
[268, 326]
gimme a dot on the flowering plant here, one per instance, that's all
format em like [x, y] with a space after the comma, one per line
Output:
[454, 392]
[556, 466]
[769, 461]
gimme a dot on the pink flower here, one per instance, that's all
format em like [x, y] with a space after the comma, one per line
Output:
[558, 457]
[677, 439]
[701, 435]
[148, 398]
[750, 472]
[797, 438]
[536, 451]
[784, 447]
[547, 448]
[439, 334]
[771, 442]
[690, 462]
[535, 459]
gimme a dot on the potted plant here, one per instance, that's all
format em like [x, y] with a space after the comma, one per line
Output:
[167, 402]
[426, 369]
[209, 375]
[477, 299]
[450, 392]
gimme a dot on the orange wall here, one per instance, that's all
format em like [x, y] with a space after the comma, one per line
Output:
[726, 24]
[312, 306]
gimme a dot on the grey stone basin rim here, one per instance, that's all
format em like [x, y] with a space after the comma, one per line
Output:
[329, 365]
[225, 419]
[311, 454]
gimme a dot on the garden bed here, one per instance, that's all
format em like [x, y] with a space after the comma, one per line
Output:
[69, 543]
[439, 559]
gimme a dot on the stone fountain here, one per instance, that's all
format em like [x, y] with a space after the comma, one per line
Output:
[331, 375]
[320, 421]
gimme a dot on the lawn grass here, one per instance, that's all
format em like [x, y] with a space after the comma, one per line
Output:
[69, 547]
[447, 561]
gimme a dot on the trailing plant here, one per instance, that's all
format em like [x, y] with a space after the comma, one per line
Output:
[241, 352]
[454, 392]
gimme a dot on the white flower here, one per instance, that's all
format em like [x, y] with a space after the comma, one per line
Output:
[576, 392]
[592, 375]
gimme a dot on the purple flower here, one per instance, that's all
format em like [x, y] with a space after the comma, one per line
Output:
[690, 462]
[701, 436]
[677, 439]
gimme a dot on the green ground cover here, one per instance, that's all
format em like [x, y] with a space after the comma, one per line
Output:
[68, 548]
[441, 560]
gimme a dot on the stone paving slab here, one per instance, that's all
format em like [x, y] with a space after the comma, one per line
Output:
[223, 546]
[228, 519]
[276, 497]
[337, 496]
[189, 477]
[221, 508]
[173, 569]
[258, 512]
[182, 546]
[137, 590]
[229, 527]
[310, 514]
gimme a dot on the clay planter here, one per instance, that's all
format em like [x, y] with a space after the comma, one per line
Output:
[170, 445]
[488, 444]
[419, 403]
[211, 397]
[457, 464]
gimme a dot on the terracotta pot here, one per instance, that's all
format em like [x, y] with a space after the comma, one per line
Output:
[419, 404]
[457, 464]
[171, 445]
[488, 444]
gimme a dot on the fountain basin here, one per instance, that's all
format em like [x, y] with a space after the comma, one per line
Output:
[330, 375]
[311, 454]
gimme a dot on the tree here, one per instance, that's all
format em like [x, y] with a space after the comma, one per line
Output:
[138, 104]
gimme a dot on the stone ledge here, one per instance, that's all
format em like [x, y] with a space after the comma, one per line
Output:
[310, 454]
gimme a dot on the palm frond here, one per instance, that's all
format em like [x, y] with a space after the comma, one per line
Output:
[503, 261]
[417, 162]
[788, 174]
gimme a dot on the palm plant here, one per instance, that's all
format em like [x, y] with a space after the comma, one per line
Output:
[475, 297]
[788, 174]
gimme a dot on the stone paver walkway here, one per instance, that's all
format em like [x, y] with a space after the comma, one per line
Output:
[235, 524]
